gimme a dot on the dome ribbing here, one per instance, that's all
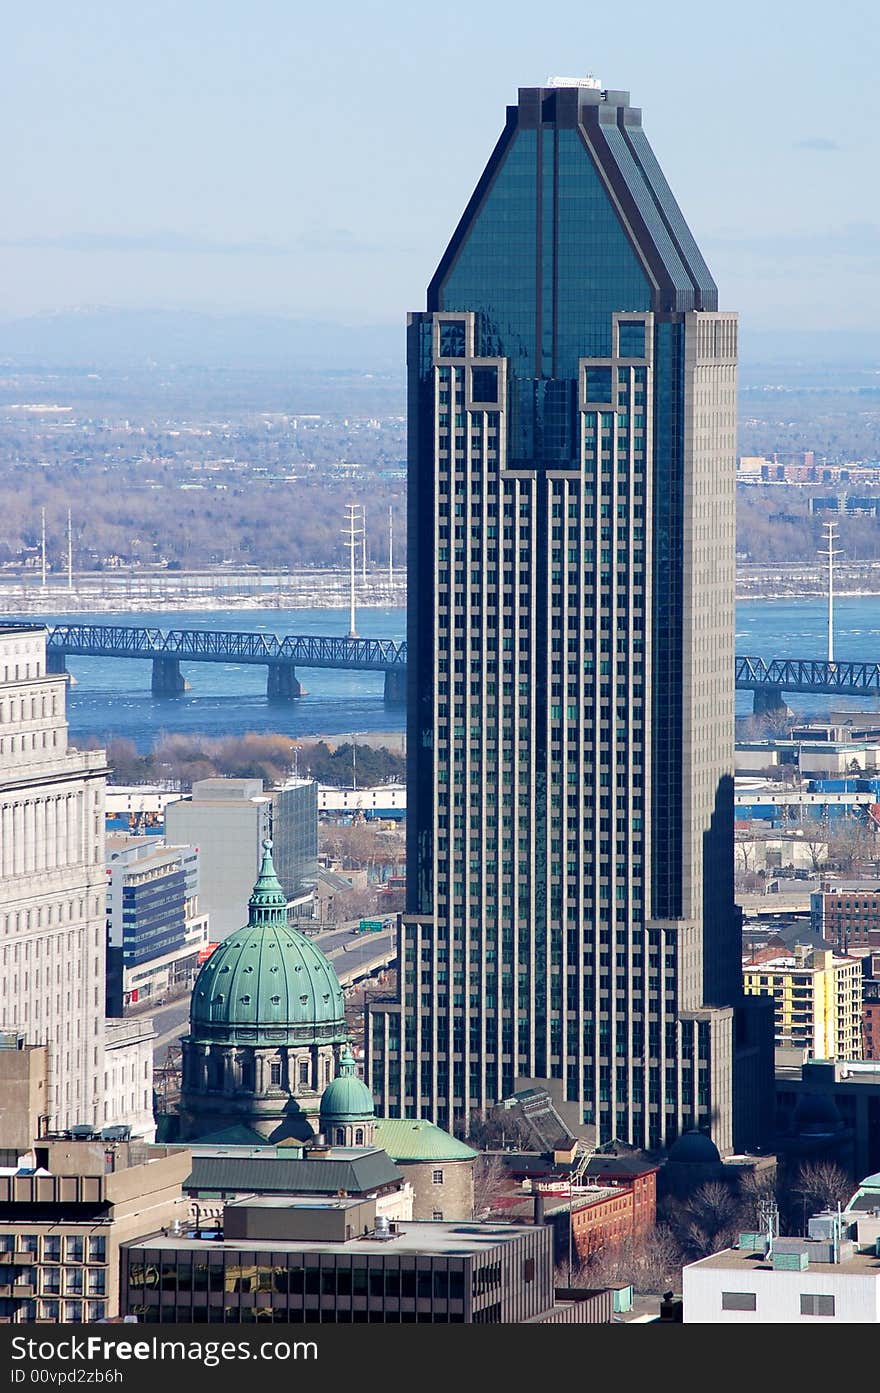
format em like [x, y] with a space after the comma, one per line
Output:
[267, 982]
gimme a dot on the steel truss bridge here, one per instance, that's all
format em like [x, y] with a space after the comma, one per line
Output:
[283, 654]
[770, 678]
[280, 654]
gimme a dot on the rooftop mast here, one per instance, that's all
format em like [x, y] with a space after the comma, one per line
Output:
[830, 551]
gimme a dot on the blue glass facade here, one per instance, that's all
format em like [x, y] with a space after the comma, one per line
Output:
[560, 811]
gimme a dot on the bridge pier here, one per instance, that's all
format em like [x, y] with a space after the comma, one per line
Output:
[56, 660]
[168, 680]
[282, 683]
[395, 687]
[769, 701]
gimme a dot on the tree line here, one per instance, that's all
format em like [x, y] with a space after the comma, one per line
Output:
[181, 760]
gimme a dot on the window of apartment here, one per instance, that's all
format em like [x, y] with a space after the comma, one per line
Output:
[437, 1177]
[816, 1305]
[436, 1213]
[739, 1301]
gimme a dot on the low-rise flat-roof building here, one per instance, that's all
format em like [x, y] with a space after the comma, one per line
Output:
[63, 1217]
[276, 1261]
[831, 1275]
[220, 1174]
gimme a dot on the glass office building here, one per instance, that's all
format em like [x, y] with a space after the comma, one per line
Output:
[572, 418]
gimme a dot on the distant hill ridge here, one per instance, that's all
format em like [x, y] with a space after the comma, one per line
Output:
[95, 337]
[101, 338]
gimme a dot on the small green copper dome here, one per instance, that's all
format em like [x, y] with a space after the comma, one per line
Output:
[347, 1098]
[267, 983]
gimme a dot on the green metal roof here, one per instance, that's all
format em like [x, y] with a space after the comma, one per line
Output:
[281, 1175]
[237, 1134]
[347, 1098]
[867, 1196]
[416, 1139]
[267, 983]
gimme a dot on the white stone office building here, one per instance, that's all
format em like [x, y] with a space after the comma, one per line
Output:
[128, 1077]
[52, 890]
[228, 821]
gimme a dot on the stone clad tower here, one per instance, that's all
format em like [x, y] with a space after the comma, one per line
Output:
[52, 881]
[266, 1023]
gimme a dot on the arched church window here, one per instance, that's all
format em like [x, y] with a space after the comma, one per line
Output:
[358, 1136]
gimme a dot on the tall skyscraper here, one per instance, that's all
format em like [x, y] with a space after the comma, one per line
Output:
[52, 881]
[572, 414]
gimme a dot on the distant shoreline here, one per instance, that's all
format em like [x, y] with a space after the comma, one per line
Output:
[18, 601]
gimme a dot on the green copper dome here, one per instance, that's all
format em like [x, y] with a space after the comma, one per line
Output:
[347, 1098]
[267, 983]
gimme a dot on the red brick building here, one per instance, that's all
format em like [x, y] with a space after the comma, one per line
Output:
[615, 1199]
[847, 919]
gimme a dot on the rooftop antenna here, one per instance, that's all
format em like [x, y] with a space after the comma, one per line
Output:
[43, 545]
[768, 1218]
[830, 551]
[69, 554]
[351, 534]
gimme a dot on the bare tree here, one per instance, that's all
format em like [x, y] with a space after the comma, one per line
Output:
[491, 1182]
[818, 849]
[744, 852]
[496, 1127]
[708, 1219]
[650, 1261]
[756, 1187]
[353, 904]
[822, 1184]
[849, 842]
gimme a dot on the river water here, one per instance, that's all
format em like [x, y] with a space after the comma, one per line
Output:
[111, 696]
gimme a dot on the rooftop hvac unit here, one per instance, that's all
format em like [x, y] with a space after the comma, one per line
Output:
[790, 1262]
[822, 1226]
[752, 1242]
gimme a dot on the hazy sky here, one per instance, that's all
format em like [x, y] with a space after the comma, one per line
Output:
[312, 159]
